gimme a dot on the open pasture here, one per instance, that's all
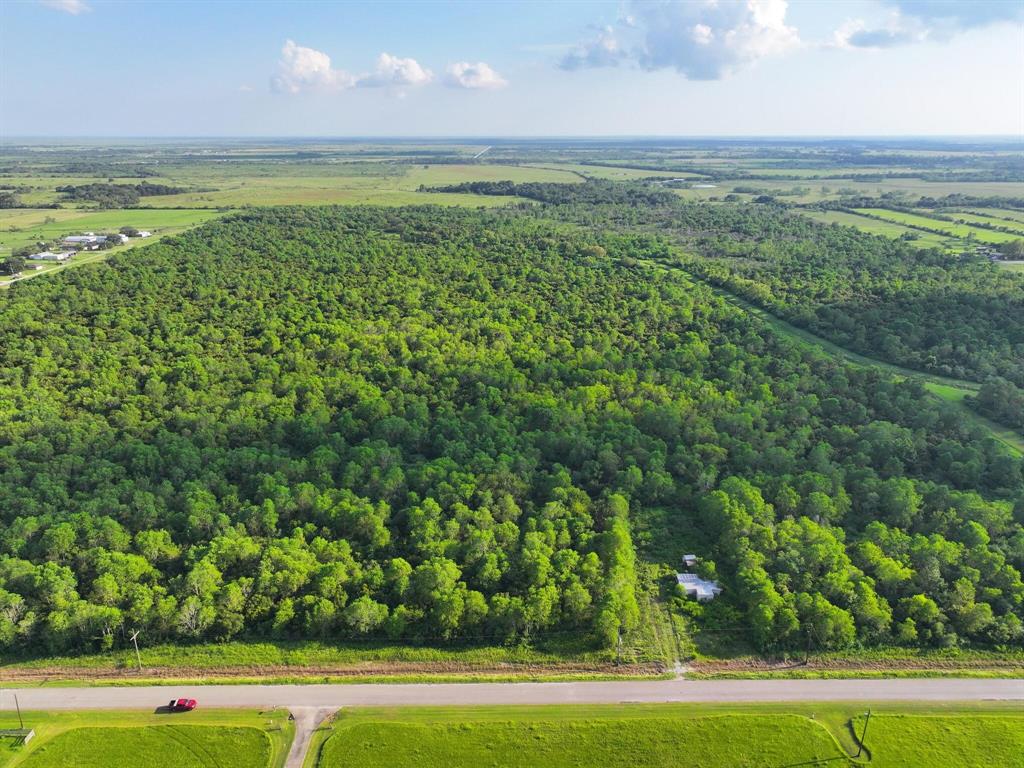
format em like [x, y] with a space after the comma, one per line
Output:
[236, 184]
[975, 218]
[923, 222]
[23, 227]
[875, 227]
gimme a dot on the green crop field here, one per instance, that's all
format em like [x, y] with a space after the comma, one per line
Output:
[1006, 214]
[673, 735]
[956, 230]
[876, 227]
[974, 218]
[200, 739]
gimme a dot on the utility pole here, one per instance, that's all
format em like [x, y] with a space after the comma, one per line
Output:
[135, 640]
[864, 732]
[21, 723]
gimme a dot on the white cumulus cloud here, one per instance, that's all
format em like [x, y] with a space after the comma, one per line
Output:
[701, 40]
[307, 69]
[478, 75]
[303, 69]
[74, 7]
[393, 71]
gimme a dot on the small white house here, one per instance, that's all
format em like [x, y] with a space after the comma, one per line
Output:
[697, 587]
[49, 256]
[143, 233]
[689, 561]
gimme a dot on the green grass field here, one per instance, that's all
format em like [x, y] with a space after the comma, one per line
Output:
[876, 227]
[21, 227]
[974, 218]
[192, 746]
[236, 185]
[954, 229]
[1000, 214]
[200, 739]
[736, 736]
[965, 741]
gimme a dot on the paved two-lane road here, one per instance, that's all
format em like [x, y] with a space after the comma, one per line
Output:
[482, 694]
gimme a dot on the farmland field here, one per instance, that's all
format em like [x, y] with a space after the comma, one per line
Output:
[661, 735]
[21, 227]
[956, 230]
[973, 218]
[876, 227]
[1004, 214]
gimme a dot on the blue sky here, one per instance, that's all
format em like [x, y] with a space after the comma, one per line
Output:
[637, 67]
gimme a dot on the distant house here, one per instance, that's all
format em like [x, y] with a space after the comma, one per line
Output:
[689, 561]
[143, 233]
[697, 587]
[78, 241]
[50, 256]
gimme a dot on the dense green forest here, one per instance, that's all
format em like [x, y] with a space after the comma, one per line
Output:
[927, 309]
[440, 426]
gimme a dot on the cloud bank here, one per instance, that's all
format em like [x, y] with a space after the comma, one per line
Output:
[301, 69]
[700, 40]
[915, 21]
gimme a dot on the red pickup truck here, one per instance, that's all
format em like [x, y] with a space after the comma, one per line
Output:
[182, 705]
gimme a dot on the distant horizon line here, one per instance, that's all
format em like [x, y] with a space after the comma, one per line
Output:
[1002, 137]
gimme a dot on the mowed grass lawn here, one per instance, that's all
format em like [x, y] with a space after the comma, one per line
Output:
[183, 746]
[726, 741]
[954, 229]
[927, 741]
[200, 739]
[648, 735]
